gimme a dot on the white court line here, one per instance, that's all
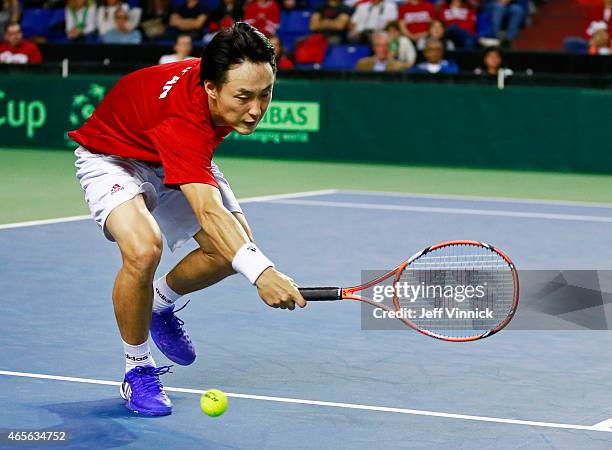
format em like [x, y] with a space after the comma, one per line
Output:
[466, 211]
[604, 425]
[33, 223]
[477, 198]
[261, 198]
[415, 412]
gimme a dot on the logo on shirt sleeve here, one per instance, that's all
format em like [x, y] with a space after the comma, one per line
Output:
[171, 82]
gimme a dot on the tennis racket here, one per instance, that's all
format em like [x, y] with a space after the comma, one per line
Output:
[455, 291]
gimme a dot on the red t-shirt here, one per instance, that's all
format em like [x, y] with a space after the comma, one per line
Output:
[265, 16]
[417, 18]
[25, 53]
[464, 17]
[159, 114]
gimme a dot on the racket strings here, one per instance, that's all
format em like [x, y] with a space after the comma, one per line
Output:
[464, 291]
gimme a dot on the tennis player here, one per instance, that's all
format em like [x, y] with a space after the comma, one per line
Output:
[145, 164]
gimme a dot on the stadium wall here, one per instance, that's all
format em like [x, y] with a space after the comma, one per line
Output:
[530, 128]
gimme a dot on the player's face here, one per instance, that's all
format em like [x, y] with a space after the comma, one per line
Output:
[243, 99]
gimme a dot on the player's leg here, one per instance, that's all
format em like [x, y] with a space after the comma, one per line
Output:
[199, 269]
[139, 239]
[120, 197]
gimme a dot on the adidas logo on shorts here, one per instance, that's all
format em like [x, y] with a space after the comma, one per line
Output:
[116, 188]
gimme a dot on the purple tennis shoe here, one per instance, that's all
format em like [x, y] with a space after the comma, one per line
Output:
[170, 337]
[144, 393]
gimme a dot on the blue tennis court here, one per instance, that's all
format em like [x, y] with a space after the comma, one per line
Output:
[310, 378]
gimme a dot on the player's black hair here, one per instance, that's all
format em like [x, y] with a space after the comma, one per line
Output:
[232, 46]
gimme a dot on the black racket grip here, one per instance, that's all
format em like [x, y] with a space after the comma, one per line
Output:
[321, 294]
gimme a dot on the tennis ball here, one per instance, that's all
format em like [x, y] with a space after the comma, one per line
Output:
[213, 402]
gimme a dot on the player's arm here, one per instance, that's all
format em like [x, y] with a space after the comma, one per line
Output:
[245, 225]
[232, 243]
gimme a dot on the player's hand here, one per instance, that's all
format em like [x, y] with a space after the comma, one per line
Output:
[278, 290]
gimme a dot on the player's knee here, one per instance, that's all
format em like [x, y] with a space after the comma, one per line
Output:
[143, 257]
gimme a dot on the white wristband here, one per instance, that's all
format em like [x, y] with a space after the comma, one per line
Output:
[250, 262]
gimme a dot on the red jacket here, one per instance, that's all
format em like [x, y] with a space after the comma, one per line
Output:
[464, 17]
[417, 18]
[25, 53]
[263, 15]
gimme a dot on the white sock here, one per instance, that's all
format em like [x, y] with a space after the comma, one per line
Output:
[137, 355]
[163, 296]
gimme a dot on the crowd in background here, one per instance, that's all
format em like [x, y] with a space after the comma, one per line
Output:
[396, 32]
[596, 37]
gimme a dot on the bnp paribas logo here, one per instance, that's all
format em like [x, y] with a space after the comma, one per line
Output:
[84, 104]
[286, 122]
[291, 116]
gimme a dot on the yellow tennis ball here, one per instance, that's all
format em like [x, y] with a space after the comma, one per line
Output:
[213, 402]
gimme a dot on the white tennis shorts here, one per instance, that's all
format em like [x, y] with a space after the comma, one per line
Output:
[109, 181]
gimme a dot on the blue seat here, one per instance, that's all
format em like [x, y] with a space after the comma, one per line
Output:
[344, 57]
[294, 24]
[55, 27]
[35, 21]
[297, 22]
[574, 44]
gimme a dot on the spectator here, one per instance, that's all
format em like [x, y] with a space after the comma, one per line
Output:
[80, 19]
[282, 60]
[105, 20]
[15, 49]
[600, 14]
[492, 63]
[156, 18]
[225, 15]
[123, 32]
[402, 48]
[434, 60]
[182, 50]
[188, 18]
[369, 17]
[597, 14]
[599, 44]
[459, 18]
[438, 32]
[415, 18]
[333, 20]
[9, 13]
[263, 15]
[383, 60]
[515, 13]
